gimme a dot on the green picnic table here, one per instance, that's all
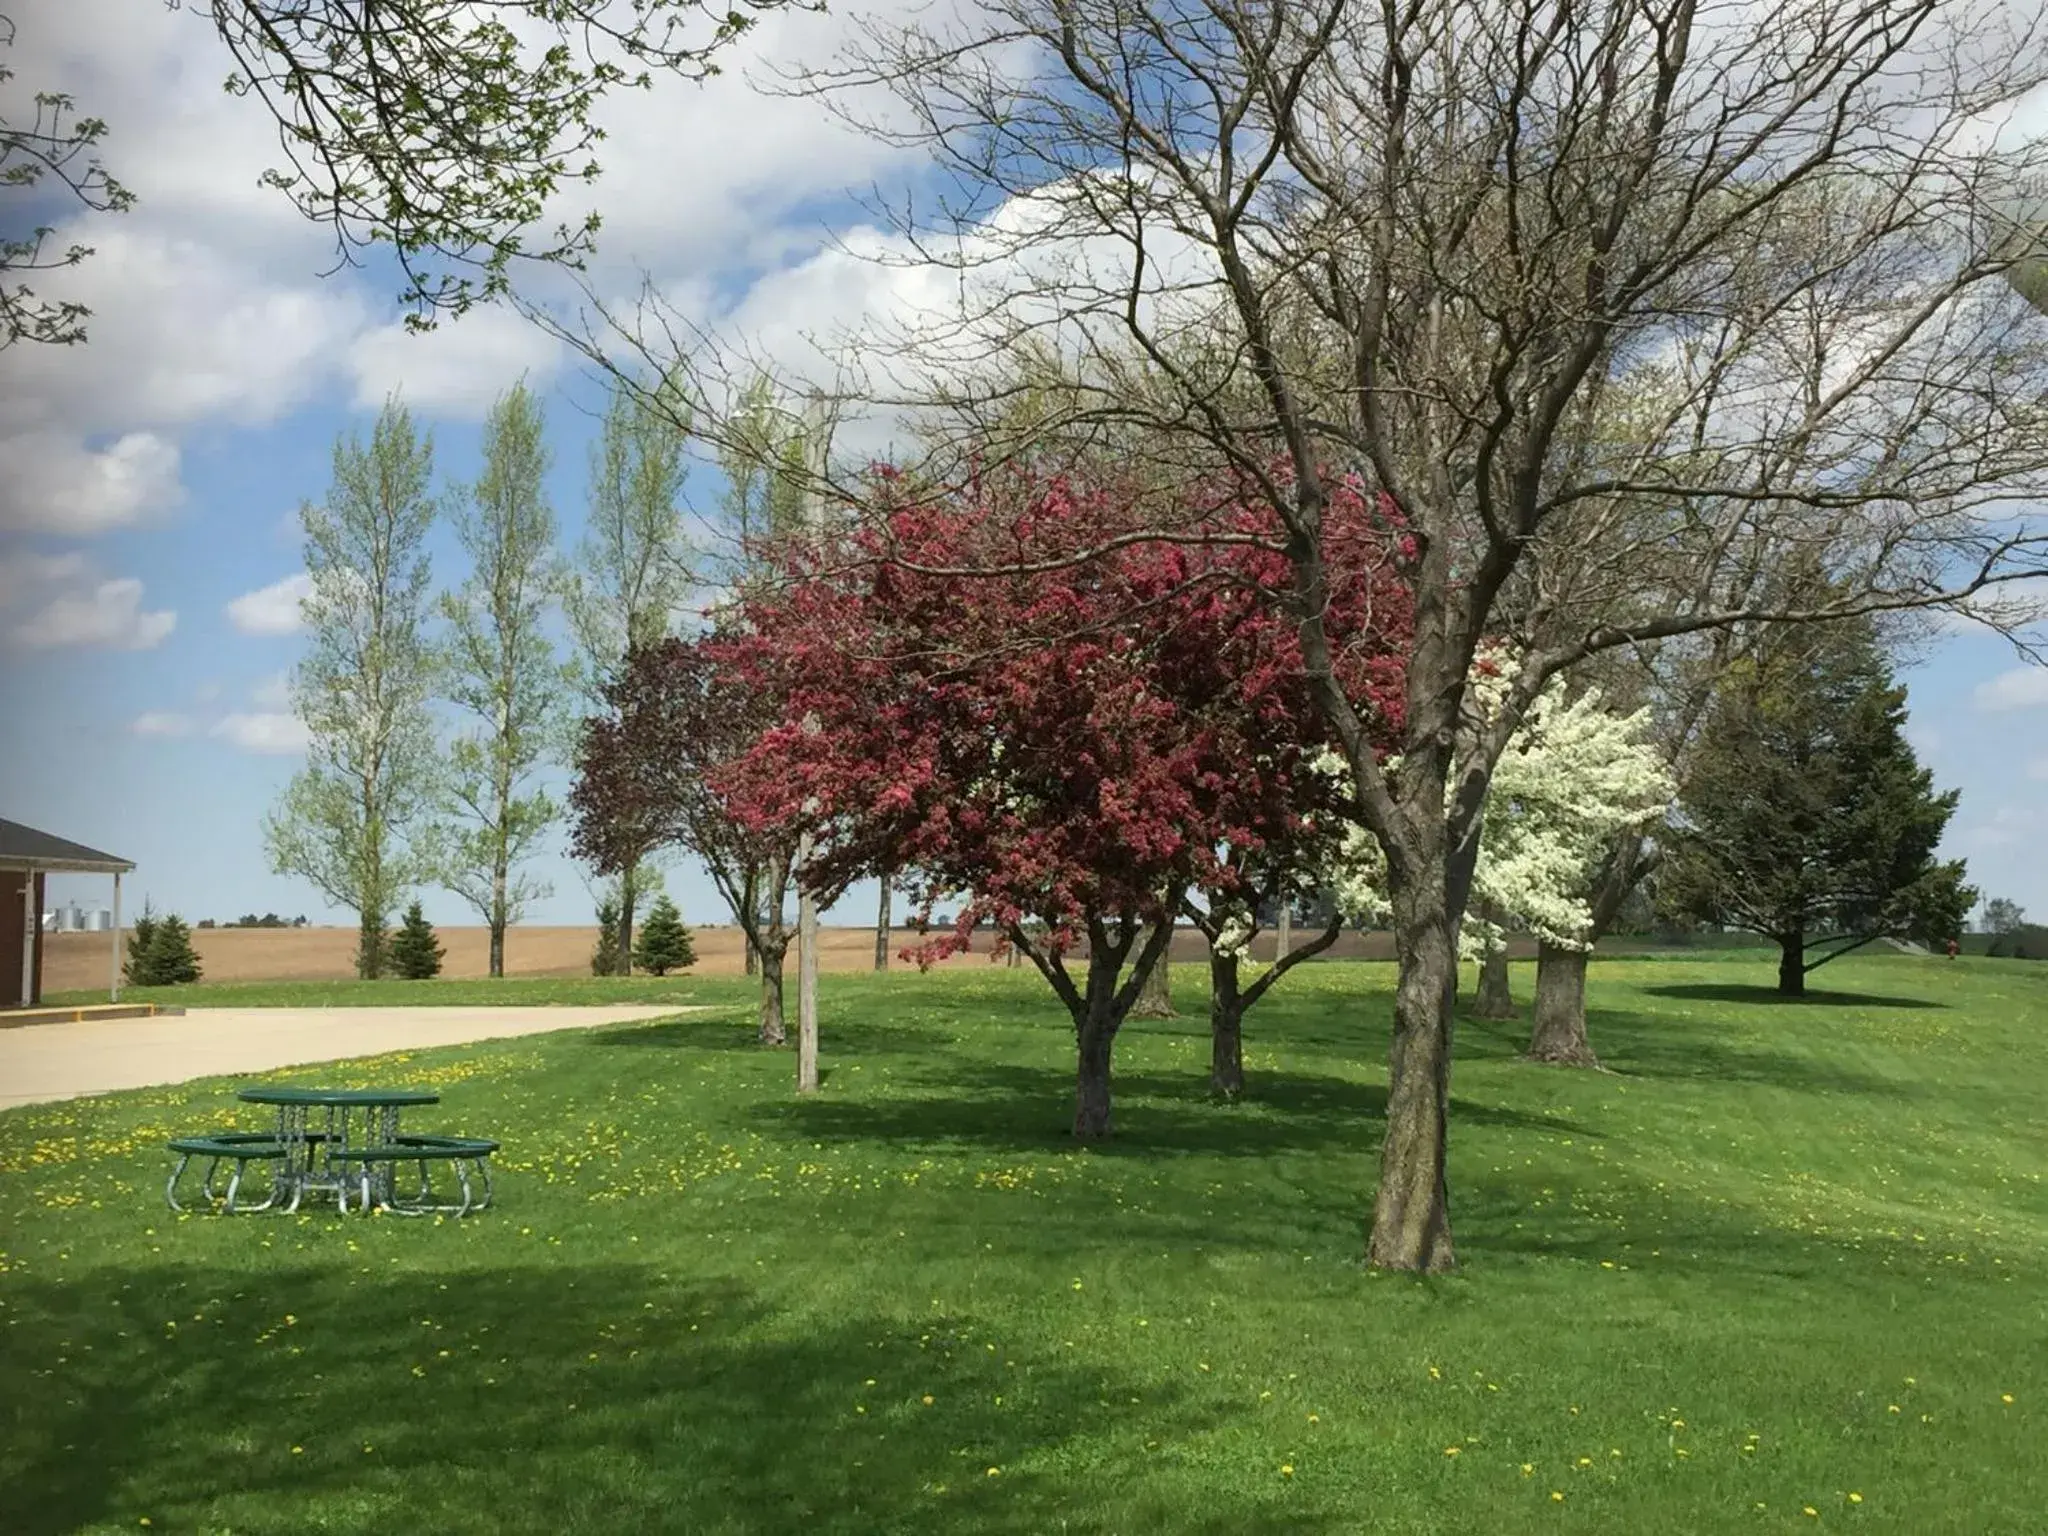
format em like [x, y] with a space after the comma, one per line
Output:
[339, 1141]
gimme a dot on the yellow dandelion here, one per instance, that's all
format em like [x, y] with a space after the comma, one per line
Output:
[1450, 1450]
[1528, 1467]
[1810, 1510]
[1313, 1419]
[1855, 1498]
[1585, 1461]
[927, 1399]
[995, 1471]
[1287, 1469]
[2005, 1397]
[1556, 1496]
[298, 1450]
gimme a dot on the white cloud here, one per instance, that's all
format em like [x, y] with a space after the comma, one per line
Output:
[158, 722]
[2038, 770]
[107, 616]
[183, 333]
[2020, 688]
[267, 732]
[272, 610]
[57, 483]
[274, 692]
[456, 370]
[24, 574]
[207, 304]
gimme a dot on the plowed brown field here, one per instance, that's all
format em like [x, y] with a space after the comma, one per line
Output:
[80, 960]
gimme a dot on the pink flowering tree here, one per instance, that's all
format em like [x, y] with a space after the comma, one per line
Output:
[1066, 750]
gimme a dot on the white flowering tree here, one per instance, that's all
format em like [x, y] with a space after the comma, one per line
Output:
[1573, 776]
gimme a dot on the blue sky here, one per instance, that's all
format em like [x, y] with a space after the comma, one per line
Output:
[149, 481]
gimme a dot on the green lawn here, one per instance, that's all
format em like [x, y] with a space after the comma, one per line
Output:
[1781, 1259]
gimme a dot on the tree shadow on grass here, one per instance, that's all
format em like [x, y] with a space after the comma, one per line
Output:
[1751, 996]
[1008, 1108]
[592, 1398]
[1639, 1045]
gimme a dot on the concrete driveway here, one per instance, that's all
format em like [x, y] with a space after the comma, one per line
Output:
[62, 1061]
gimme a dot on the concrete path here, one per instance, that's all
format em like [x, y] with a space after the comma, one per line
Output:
[62, 1061]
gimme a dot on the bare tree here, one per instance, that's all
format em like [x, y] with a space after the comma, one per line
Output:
[1443, 247]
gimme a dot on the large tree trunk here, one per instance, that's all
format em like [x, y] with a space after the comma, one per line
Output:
[497, 923]
[1283, 937]
[1792, 965]
[882, 924]
[1094, 1034]
[772, 950]
[370, 946]
[750, 898]
[1226, 1027]
[1495, 1001]
[1098, 1011]
[1623, 870]
[1155, 999]
[1411, 1221]
[806, 992]
[1559, 1035]
[629, 892]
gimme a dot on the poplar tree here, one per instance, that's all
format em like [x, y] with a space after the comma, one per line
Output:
[348, 822]
[503, 673]
[632, 570]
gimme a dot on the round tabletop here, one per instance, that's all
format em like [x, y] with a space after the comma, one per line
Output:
[373, 1097]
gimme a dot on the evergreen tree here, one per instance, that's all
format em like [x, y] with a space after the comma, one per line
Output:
[415, 952]
[140, 937]
[608, 958]
[1806, 818]
[166, 958]
[664, 943]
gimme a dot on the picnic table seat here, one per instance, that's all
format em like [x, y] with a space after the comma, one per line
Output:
[239, 1147]
[423, 1151]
